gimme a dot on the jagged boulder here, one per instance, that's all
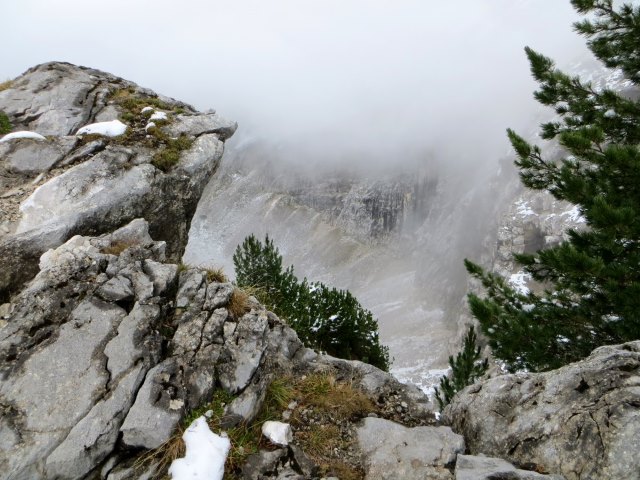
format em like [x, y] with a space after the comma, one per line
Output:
[393, 451]
[469, 467]
[581, 421]
[96, 362]
[65, 185]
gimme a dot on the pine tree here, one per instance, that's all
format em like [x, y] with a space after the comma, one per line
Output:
[592, 294]
[325, 318]
[466, 368]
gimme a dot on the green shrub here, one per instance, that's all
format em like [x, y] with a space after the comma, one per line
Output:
[325, 318]
[466, 368]
[5, 124]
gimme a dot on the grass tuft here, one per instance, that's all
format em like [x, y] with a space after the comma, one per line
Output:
[238, 303]
[216, 275]
[5, 123]
[169, 153]
[6, 85]
[117, 247]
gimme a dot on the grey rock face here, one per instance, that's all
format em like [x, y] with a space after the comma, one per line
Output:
[581, 421]
[70, 385]
[53, 189]
[28, 157]
[56, 98]
[469, 467]
[203, 124]
[391, 451]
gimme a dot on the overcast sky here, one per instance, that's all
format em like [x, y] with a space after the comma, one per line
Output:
[363, 75]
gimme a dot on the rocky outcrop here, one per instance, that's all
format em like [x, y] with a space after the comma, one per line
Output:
[67, 185]
[392, 451]
[109, 346]
[581, 421]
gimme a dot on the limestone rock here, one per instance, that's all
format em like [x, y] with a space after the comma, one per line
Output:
[202, 124]
[581, 421]
[95, 187]
[391, 451]
[469, 467]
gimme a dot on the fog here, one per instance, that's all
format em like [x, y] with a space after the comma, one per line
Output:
[373, 85]
[370, 79]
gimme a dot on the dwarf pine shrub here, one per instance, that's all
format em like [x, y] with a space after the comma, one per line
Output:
[324, 318]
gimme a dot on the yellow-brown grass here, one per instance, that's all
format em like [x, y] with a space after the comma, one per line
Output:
[238, 303]
[6, 85]
[117, 247]
[216, 275]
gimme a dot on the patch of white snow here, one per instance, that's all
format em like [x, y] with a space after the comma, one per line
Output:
[574, 215]
[114, 128]
[21, 134]
[148, 126]
[523, 208]
[519, 282]
[205, 455]
[158, 116]
[277, 432]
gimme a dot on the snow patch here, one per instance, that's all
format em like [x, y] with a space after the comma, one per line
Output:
[519, 282]
[157, 115]
[21, 134]
[415, 375]
[277, 432]
[610, 113]
[205, 455]
[574, 215]
[523, 209]
[114, 128]
[148, 126]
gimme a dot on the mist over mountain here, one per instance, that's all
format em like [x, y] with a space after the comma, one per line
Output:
[370, 132]
[373, 79]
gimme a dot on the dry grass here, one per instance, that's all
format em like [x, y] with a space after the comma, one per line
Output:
[162, 456]
[216, 275]
[238, 303]
[117, 247]
[323, 391]
[334, 406]
[336, 403]
[6, 85]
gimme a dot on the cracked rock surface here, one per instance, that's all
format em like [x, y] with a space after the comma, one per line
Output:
[97, 362]
[393, 451]
[62, 186]
[581, 421]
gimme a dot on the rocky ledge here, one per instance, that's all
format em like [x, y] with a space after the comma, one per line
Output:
[66, 184]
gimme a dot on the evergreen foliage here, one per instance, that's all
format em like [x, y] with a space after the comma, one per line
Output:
[466, 368]
[5, 124]
[325, 318]
[592, 281]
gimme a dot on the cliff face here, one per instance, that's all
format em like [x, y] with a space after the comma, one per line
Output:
[396, 239]
[67, 184]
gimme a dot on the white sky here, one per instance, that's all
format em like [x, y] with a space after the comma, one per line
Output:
[378, 77]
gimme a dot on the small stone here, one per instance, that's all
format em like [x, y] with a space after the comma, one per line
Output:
[208, 413]
[277, 432]
[176, 404]
[292, 405]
